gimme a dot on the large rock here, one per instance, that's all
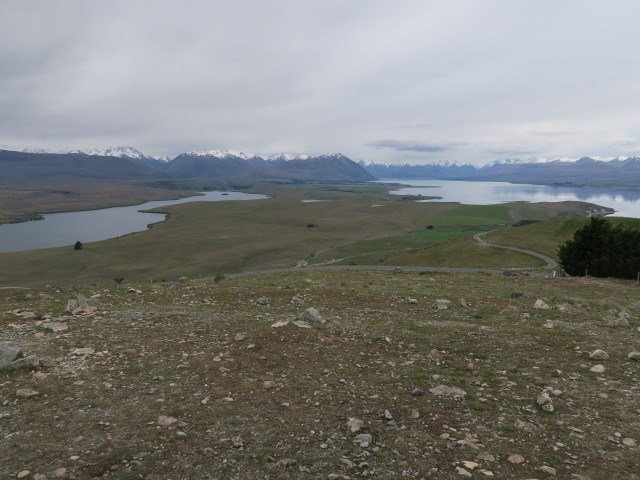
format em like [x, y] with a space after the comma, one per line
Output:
[27, 363]
[11, 358]
[8, 353]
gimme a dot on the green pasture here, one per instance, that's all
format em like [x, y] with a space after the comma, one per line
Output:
[360, 224]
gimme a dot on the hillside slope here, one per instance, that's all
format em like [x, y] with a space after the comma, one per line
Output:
[208, 380]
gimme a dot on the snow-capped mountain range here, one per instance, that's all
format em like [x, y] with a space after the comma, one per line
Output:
[278, 157]
[236, 164]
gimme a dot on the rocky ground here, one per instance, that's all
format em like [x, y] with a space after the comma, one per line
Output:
[323, 375]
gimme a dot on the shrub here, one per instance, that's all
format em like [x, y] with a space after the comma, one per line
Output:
[601, 250]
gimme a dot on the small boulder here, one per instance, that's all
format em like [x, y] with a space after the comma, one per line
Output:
[363, 437]
[355, 424]
[262, 301]
[442, 304]
[446, 390]
[55, 326]
[82, 304]
[515, 458]
[26, 393]
[8, 353]
[634, 356]
[548, 470]
[26, 363]
[165, 420]
[543, 399]
[541, 304]
[618, 319]
[599, 355]
[312, 316]
[597, 369]
[297, 300]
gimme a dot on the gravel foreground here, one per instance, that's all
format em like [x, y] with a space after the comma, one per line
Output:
[325, 375]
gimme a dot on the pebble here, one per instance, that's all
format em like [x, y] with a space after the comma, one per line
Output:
[387, 415]
[634, 356]
[58, 472]
[23, 474]
[629, 442]
[597, 369]
[417, 392]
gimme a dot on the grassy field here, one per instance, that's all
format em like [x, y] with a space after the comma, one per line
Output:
[545, 237]
[191, 380]
[358, 224]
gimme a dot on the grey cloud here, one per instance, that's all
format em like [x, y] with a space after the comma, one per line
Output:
[404, 146]
[320, 77]
[514, 152]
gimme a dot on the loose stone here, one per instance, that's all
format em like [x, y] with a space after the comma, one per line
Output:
[26, 393]
[549, 470]
[599, 355]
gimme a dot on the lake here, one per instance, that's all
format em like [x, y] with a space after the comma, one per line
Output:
[60, 229]
[626, 203]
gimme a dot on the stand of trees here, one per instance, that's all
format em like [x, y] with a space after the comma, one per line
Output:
[601, 250]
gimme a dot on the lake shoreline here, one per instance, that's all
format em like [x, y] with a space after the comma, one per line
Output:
[65, 228]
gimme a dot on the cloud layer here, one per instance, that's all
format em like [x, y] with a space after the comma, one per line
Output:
[412, 81]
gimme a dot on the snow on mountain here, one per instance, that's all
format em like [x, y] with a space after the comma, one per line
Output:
[285, 157]
[124, 152]
[275, 158]
[13, 148]
[221, 154]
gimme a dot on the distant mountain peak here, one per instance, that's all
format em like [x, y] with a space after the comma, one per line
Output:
[124, 152]
[222, 154]
[285, 157]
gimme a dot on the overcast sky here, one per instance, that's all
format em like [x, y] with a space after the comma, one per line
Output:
[384, 80]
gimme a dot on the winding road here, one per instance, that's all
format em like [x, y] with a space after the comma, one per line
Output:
[551, 264]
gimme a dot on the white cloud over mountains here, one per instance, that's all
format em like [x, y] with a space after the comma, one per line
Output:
[417, 80]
